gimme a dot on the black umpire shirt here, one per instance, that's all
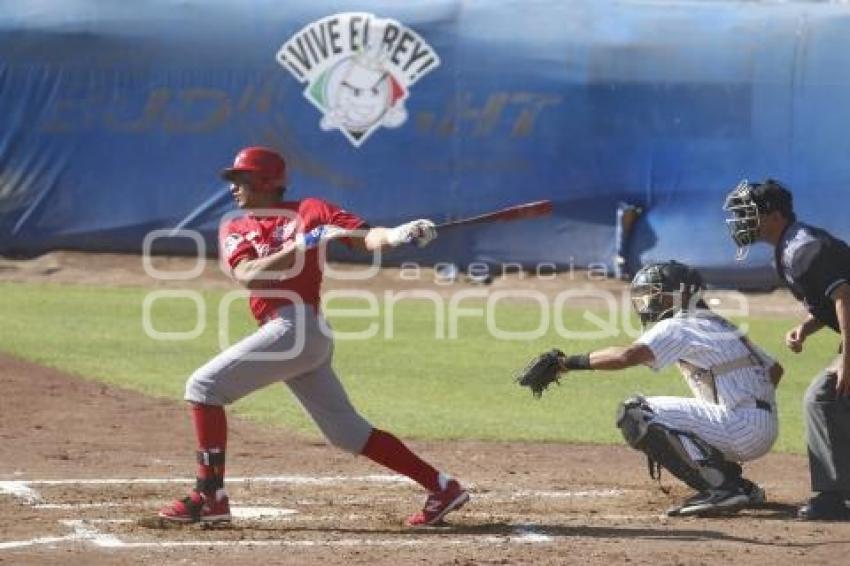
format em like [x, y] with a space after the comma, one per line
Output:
[813, 263]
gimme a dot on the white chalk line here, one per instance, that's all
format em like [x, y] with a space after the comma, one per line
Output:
[255, 512]
[581, 519]
[77, 506]
[553, 494]
[83, 531]
[11, 486]
[354, 501]
[238, 512]
[529, 534]
[21, 490]
[10, 545]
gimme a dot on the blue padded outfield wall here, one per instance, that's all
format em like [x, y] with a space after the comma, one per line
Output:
[117, 116]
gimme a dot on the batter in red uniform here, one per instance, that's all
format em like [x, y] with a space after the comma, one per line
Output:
[274, 250]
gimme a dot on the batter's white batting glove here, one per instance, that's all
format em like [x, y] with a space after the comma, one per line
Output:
[318, 235]
[420, 232]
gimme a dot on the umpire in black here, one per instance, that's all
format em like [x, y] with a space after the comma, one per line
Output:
[816, 267]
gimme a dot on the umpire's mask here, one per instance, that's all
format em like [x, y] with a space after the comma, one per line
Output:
[747, 203]
[743, 217]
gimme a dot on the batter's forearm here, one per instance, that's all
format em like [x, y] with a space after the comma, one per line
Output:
[376, 238]
[419, 232]
[253, 273]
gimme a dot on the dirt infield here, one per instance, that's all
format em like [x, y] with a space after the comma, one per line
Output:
[81, 464]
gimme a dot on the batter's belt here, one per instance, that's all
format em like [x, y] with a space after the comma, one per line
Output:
[276, 314]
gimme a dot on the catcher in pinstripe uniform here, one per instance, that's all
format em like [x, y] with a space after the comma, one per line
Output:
[702, 439]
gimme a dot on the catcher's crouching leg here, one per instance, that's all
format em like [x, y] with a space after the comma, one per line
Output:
[703, 467]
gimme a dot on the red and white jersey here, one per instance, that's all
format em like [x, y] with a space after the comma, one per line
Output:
[254, 236]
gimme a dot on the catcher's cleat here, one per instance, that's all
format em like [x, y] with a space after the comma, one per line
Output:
[675, 509]
[198, 508]
[439, 504]
[712, 502]
[754, 492]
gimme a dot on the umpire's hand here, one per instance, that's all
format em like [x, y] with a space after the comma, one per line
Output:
[794, 339]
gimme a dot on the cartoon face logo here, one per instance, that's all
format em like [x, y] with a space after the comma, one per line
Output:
[362, 81]
[363, 97]
[360, 95]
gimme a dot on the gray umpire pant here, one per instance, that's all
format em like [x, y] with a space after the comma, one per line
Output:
[827, 434]
[296, 349]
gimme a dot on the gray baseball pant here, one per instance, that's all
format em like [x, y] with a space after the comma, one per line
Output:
[295, 349]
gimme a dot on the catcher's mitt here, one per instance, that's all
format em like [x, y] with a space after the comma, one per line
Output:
[541, 372]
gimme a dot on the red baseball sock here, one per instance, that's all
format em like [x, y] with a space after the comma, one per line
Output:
[211, 432]
[387, 450]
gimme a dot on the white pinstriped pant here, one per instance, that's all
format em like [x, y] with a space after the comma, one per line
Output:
[741, 434]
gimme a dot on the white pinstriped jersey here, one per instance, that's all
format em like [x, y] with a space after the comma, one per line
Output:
[704, 340]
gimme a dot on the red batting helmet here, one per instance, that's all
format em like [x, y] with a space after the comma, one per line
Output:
[266, 167]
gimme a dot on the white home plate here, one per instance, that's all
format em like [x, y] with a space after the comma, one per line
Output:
[261, 512]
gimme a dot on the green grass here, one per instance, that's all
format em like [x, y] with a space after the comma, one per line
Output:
[411, 383]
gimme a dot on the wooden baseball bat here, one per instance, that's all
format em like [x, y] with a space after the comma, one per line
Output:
[516, 212]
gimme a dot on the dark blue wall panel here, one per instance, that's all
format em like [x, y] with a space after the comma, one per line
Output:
[117, 116]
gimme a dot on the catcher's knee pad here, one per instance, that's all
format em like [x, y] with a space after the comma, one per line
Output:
[633, 416]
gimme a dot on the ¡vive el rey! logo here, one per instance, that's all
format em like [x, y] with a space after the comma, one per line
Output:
[359, 69]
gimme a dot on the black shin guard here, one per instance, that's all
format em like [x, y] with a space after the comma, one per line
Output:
[664, 447]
